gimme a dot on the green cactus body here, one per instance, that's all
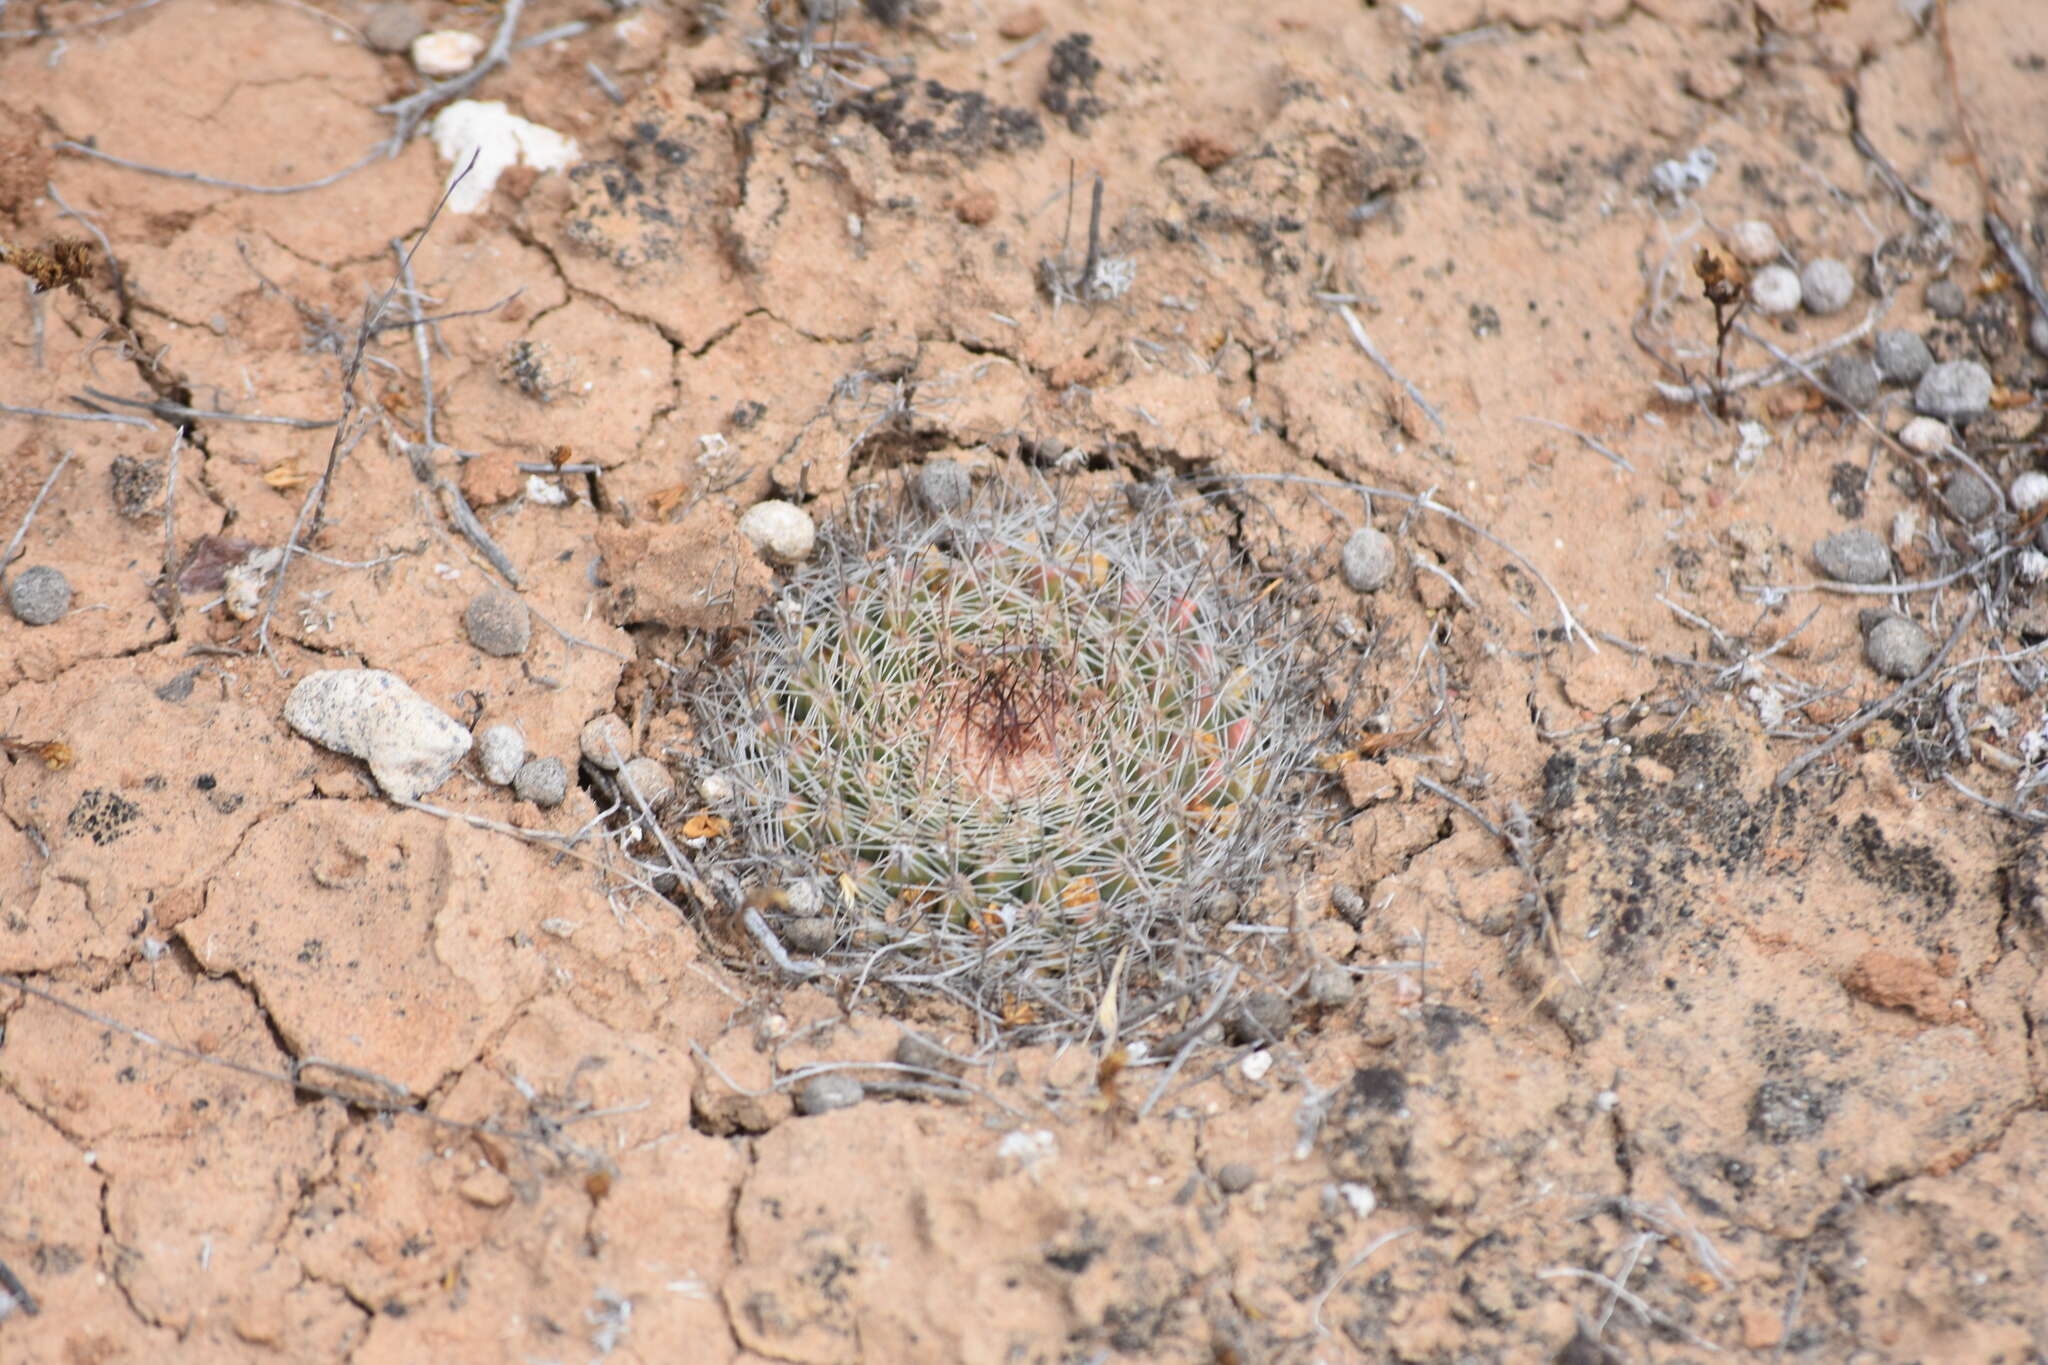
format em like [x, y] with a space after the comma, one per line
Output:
[1013, 739]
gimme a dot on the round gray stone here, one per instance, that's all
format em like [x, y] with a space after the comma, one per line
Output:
[1827, 286]
[1852, 377]
[1329, 984]
[1945, 299]
[1902, 357]
[1854, 556]
[1953, 390]
[914, 1049]
[1897, 648]
[2037, 333]
[833, 1090]
[1368, 560]
[500, 750]
[39, 596]
[543, 781]
[1968, 496]
[810, 935]
[498, 623]
[391, 28]
[652, 779]
[1262, 1018]
[943, 485]
[1235, 1177]
[606, 741]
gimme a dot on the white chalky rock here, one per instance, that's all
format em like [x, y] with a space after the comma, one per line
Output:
[2029, 491]
[1924, 435]
[447, 52]
[500, 750]
[1774, 289]
[410, 744]
[1753, 242]
[485, 139]
[780, 530]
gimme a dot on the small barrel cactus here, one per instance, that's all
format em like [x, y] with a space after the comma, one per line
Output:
[1013, 743]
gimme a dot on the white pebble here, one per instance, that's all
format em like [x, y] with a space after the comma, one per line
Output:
[1775, 290]
[1256, 1065]
[782, 531]
[410, 744]
[2029, 491]
[445, 53]
[499, 752]
[1368, 560]
[1924, 435]
[714, 789]
[1754, 242]
[1827, 286]
[2032, 566]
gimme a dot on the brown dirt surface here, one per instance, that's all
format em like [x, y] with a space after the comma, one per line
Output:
[1613, 1023]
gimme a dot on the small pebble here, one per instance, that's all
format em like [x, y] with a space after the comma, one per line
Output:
[1827, 286]
[1754, 242]
[1954, 389]
[943, 485]
[606, 742]
[1368, 560]
[1902, 357]
[650, 777]
[810, 935]
[1235, 1177]
[500, 750]
[543, 781]
[1262, 1018]
[1897, 648]
[1854, 556]
[914, 1049]
[39, 596]
[1945, 299]
[1968, 496]
[2028, 491]
[1925, 435]
[1329, 984]
[714, 789]
[833, 1090]
[498, 623]
[1774, 290]
[1348, 902]
[446, 53]
[2037, 333]
[780, 530]
[392, 28]
[1853, 378]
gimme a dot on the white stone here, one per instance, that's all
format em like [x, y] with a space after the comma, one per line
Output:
[714, 789]
[499, 752]
[410, 744]
[2029, 491]
[1924, 435]
[1775, 290]
[780, 530]
[1754, 242]
[1256, 1065]
[445, 52]
[498, 139]
[1827, 286]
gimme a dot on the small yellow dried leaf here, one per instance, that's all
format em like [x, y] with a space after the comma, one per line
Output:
[705, 825]
[286, 475]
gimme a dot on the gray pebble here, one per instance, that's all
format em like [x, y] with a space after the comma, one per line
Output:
[543, 781]
[1853, 378]
[1897, 648]
[1368, 560]
[1945, 299]
[39, 596]
[391, 28]
[1262, 1018]
[652, 779]
[1329, 985]
[1854, 556]
[1235, 1177]
[914, 1049]
[606, 741]
[833, 1090]
[1348, 902]
[1968, 496]
[1953, 390]
[1902, 357]
[810, 935]
[500, 750]
[1826, 285]
[943, 485]
[498, 623]
[1774, 289]
[2037, 333]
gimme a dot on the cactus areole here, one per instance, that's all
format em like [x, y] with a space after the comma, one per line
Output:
[1010, 742]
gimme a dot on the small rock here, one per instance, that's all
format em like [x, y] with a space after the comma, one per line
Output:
[500, 750]
[446, 53]
[2037, 333]
[498, 623]
[1329, 985]
[714, 789]
[1262, 1018]
[392, 28]
[2028, 491]
[543, 781]
[39, 596]
[486, 1187]
[136, 484]
[1754, 242]
[1898, 648]
[1945, 299]
[1854, 556]
[781, 531]
[491, 478]
[914, 1049]
[1368, 560]
[651, 778]
[1852, 377]
[1969, 497]
[1925, 435]
[606, 742]
[1953, 390]
[810, 935]
[1774, 290]
[833, 1090]
[1235, 1177]
[410, 744]
[1902, 357]
[1348, 902]
[1827, 286]
[943, 485]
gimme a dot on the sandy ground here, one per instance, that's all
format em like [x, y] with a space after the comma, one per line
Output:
[1761, 1074]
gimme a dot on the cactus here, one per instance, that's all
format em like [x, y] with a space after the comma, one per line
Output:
[1013, 743]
